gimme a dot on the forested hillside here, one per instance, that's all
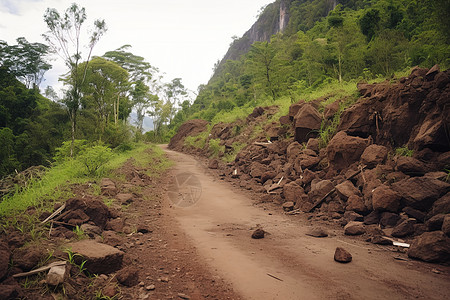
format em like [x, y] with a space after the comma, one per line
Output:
[95, 104]
[320, 46]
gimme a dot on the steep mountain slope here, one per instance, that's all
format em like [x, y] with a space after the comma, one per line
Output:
[274, 19]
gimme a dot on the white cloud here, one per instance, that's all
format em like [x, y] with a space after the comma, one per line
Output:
[182, 38]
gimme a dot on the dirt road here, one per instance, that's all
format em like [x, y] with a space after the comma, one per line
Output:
[287, 264]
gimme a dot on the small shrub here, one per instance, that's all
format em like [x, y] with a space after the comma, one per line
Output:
[404, 151]
[117, 134]
[79, 233]
[63, 153]
[237, 147]
[215, 148]
[94, 159]
[197, 141]
[124, 147]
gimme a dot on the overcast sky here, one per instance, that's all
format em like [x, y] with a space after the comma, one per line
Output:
[183, 38]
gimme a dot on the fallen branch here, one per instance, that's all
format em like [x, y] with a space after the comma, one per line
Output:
[294, 212]
[282, 177]
[318, 202]
[273, 276]
[41, 269]
[63, 223]
[59, 210]
[261, 144]
[360, 169]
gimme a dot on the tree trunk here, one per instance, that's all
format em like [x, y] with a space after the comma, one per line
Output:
[340, 68]
[73, 121]
[116, 117]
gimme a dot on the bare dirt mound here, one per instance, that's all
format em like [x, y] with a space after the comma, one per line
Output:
[189, 128]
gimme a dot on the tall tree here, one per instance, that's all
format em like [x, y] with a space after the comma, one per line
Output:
[27, 61]
[64, 38]
[144, 81]
[263, 62]
[134, 64]
[105, 82]
[142, 101]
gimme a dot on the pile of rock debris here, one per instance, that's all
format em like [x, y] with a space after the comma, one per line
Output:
[357, 179]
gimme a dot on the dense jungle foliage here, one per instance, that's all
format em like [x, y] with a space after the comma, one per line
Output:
[94, 108]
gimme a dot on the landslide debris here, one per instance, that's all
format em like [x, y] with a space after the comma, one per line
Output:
[384, 173]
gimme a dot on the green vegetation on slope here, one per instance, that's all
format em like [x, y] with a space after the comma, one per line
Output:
[91, 163]
[358, 40]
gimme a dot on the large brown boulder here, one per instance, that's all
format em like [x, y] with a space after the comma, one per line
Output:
[293, 150]
[307, 123]
[385, 199]
[374, 155]
[356, 203]
[411, 166]
[431, 247]
[294, 108]
[420, 192]
[346, 189]
[405, 228]
[319, 189]
[188, 128]
[257, 170]
[441, 206]
[446, 225]
[354, 228]
[343, 150]
[100, 258]
[293, 192]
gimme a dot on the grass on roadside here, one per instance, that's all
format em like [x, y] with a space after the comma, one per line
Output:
[54, 186]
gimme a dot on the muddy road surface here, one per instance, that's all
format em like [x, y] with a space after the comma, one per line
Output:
[287, 264]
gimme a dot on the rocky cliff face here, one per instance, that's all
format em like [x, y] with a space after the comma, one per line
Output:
[273, 20]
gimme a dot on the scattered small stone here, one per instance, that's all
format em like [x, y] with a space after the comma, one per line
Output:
[341, 255]
[288, 206]
[183, 296]
[143, 296]
[317, 232]
[258, 234]
[56, 275]
[164, 279]
[436, 271]
[128, 276]
[110, 290]
[354, 228]
[142, 228]
[150, 287]
[380, 240]
[141, 283]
